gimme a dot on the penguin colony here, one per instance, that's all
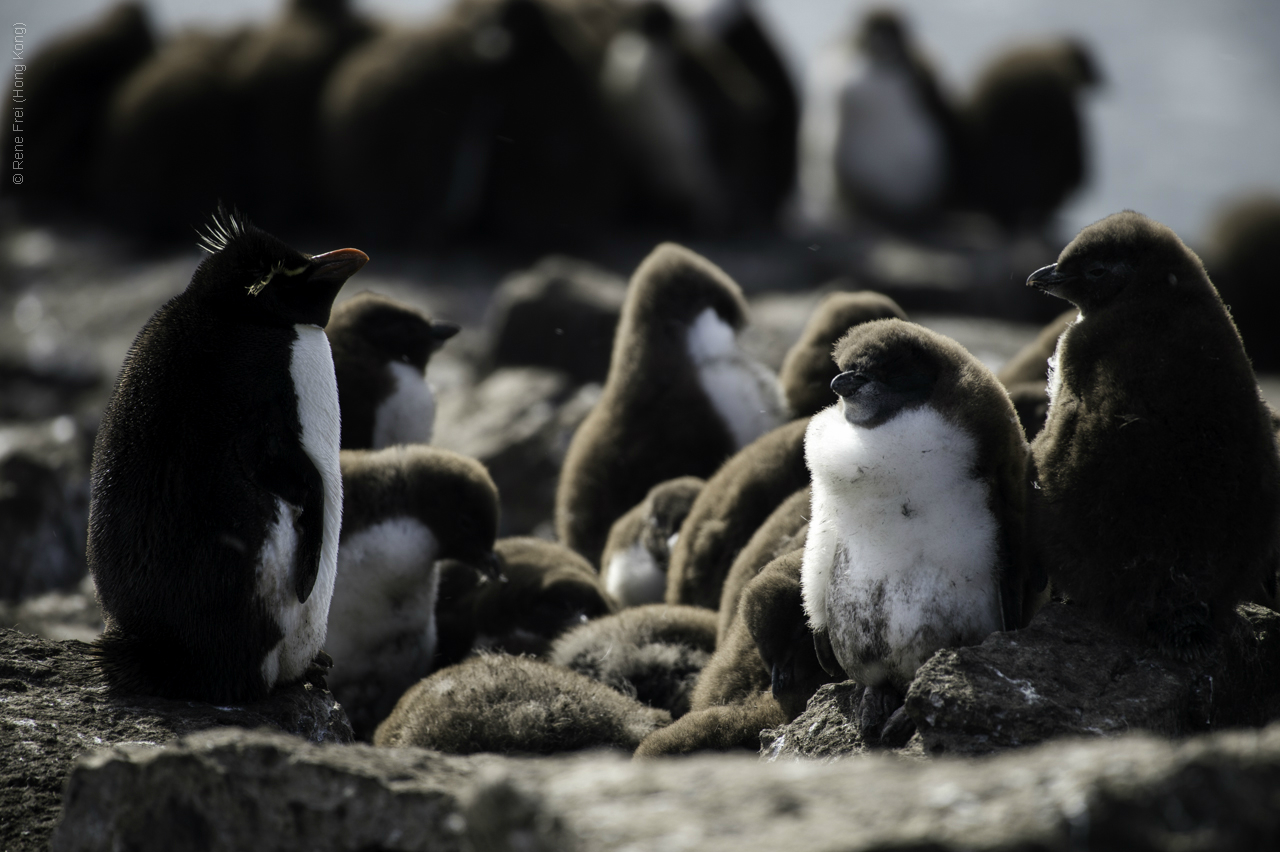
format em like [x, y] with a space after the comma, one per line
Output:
[265, 508]
[544, 123]
[908, 515]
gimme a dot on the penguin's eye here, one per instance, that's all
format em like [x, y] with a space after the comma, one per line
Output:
[1096, 272]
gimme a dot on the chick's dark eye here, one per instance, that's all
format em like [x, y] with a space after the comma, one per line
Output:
[1096, 272]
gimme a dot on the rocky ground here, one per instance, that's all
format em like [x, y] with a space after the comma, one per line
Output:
[165, 775]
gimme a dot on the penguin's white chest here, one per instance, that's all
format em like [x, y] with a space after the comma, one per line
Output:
[889, 146]
[303, 624]
[901, 558]
[743, 392]
[382, 619]
[408, 415]
[634, 577]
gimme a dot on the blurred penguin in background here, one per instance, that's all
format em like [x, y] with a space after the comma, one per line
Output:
[75, 77]
[177, 118]
[1243, 242]
[279, 74]
[879, 138]
[661, 125]
[740, 27]
[486, 123]
[1027, 147]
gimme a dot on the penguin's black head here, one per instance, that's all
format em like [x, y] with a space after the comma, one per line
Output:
[887, 366]
[883, 35]
[252, 277]
[1123, 257]
[388, 329]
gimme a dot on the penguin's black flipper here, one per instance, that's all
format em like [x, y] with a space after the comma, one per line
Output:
[285, 470]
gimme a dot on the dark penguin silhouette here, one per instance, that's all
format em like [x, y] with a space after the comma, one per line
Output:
[775, 122]
[638, 550]
[807, 369]
[216, 494]
[177, 116]
[681, 397]
[403, 508]
[75, 76]
[544, 590]
[1155, 486]
[740, 496]
[878, 130]
[1027, 147]
[762, 674]
[380, 353]
[664, 127]
[782, 532]
[652, 653]
[515, 705]
[279, 75]
[915, 537]
[1242, 244]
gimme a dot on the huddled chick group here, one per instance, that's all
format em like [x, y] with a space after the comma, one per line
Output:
[729, 540]
[545, 122]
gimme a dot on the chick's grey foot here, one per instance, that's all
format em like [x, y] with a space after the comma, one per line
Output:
[877, 706]
[318, 670]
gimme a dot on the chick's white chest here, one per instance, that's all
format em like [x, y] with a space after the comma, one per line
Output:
[901, 558]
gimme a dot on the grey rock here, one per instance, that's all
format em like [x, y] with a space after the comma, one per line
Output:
[518, 421]
[231, 789]
[54, 707]
[1062, 676]
[61, 615]
[1066, 676]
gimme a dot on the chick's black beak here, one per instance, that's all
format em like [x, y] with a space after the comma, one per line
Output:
[847, 383]
[442, 330]
[337, 266]
[1047, 278]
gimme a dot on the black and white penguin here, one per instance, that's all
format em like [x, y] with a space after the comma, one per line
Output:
[1019, 170]
[515, 705]
[761, 676]
[807, 369]
[638, 550]
[879, 139]
[732, 505]
[915, 536]
[544, 590]
[380, 352]
[216, 492]
[1240, 253]
[1155, 486]
[782, 532]
[75, 75]
[681, 396]
[652, 653]
[404, 507]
